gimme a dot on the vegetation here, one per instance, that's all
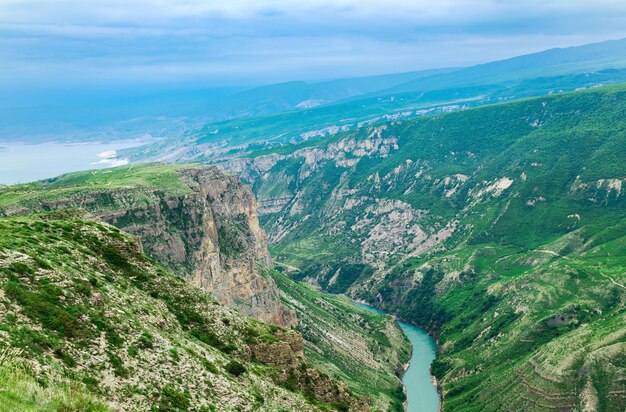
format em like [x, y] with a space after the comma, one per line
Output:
[515, 79]
[235, 368]
[21, 391]
[363, 349]
[94, 322]
[499, 229]
[136, 177]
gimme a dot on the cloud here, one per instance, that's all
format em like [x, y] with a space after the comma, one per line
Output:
[74, 42]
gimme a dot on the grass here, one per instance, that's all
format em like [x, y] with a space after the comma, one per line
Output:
[164, 178]
[97, 316]
[20, 391]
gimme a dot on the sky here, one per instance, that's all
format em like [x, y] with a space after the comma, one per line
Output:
[78, 44]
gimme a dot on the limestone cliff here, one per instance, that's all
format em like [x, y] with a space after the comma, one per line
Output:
[196, 221]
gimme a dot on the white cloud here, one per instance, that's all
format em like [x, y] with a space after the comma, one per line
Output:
[231, 41]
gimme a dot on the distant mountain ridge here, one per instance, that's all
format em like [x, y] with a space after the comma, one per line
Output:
[177, 114]
[549, 72]
[576, 59]
[171, 113]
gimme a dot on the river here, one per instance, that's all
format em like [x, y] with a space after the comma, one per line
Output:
[421, 393]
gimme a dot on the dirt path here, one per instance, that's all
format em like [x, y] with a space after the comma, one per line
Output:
[613, 281]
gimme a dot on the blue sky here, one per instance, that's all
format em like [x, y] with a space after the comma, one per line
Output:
[121, 43]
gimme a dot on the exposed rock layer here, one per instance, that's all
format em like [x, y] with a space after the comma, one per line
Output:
[209, 234]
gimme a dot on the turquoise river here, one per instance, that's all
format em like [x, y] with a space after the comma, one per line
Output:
[421, 393]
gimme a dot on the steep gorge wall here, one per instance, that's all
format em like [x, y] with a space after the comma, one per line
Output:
[209, 235]
[501, 230]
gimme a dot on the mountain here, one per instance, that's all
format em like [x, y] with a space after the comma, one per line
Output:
[195, 221]
[105, 115]
[500, 229]
[571, 60]
[90, 323]
[191, 116]
[201, 225]
[549, 72]
[303, 95]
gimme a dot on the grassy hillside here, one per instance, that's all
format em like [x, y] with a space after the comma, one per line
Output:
[136, 178]
[95, 322]
[500, 229]
[128, 194]
[363, 349]
[22, 392]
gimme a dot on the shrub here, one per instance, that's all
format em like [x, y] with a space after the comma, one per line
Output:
[145, 341]
[208, 365]
[173, 400]
[118, 366]
[65, 357]
[46, 307]
[235, 368]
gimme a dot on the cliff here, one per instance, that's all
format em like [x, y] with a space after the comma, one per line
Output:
[196, 221]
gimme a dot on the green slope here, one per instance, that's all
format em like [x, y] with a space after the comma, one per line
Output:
[363, 349]
[500, 229]
[93, 321]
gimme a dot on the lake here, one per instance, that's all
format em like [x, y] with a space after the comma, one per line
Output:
[21, 163]
[421, 393]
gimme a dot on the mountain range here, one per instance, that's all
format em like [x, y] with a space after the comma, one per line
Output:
[485, 205]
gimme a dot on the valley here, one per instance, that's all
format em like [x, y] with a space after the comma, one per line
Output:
[492, 228]
[217, 268]
[499, 230]
[422, 394]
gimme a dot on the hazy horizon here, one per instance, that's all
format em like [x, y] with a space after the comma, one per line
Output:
[67, 48]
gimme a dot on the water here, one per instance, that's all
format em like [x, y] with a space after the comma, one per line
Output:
[21, 163]
[421, 393]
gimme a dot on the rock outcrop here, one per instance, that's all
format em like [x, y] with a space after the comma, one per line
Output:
[212, 236]
[287, 355]
[207, 231]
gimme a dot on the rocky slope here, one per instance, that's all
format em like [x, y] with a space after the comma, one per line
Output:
[196, 221]
[367, 351]
[201, 224]
[106, 328]
[500, 229]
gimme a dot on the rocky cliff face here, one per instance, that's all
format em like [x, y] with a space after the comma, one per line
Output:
[287, 355]
[213, 237]
[207, 233]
